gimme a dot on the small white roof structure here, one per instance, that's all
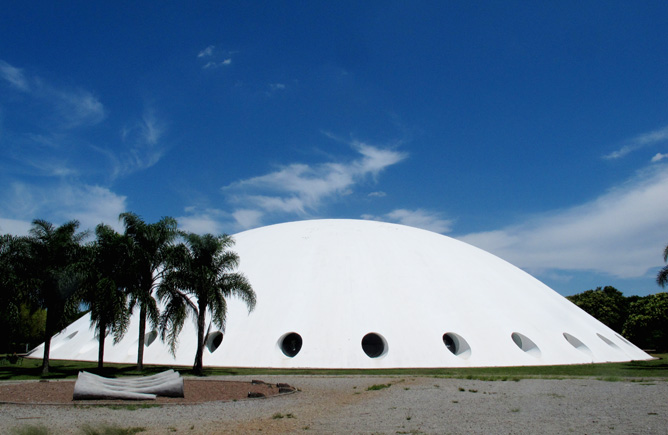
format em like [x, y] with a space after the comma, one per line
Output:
[366, 294]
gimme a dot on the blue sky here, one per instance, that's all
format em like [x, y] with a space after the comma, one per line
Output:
[538, 132]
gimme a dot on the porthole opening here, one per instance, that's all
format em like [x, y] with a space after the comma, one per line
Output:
[150, 337]
[456, 344]
[576, 343]
[373, 345]
[71, 336]
[291, 344]
[525, 343]
[213, 340]
[607, 341]
[624, 339]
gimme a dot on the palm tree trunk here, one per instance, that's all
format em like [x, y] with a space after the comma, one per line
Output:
[100, 351]
[47, 350]
[142, 334]
[51, 319]
[199, 364]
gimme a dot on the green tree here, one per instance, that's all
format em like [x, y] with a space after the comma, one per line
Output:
[606, 304]
[56, 259]
[200, 277]
[647, 323]
[150, 244]
[13, 256]
[31, 326]
[662, 276]
[104, 293]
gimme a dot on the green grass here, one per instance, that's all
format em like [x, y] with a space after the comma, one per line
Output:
[376, 387]
[655, 369]
[30, 430]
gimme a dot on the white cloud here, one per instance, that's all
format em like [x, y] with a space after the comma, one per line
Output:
[416, 218]
[69, 108]
[14, 76]
[300, 188]
[78, 107]
[143, 141]
[378, 194]
[621, 233]
[658, 157]
[200, 224]
[247, 218]
[208, 51]
[14, 226]
[638, 142]
[89, 204]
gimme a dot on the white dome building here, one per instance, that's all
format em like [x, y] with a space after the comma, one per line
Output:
[365, 294]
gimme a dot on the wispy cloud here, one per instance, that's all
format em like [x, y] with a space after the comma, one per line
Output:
[301, 188]
[68, 108]
[419, 218]
[89, 204]
[620, 233]
[658, 157]
[207, 52]
[214, 57]
[14, 76]
[204, 220]
[638, 142]
[142, 139]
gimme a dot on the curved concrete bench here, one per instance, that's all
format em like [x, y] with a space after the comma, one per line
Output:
[93, 387]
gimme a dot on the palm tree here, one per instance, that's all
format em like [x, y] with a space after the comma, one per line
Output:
[56, 263]
[107, 278]
[150, 244]
[200, 277]
[13, 294]
[662, 276]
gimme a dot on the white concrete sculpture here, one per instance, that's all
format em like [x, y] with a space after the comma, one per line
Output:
[364, 294]
[93, 387]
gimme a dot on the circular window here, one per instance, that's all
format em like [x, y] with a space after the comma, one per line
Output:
[150, 337]
[576, 343]
[374, 345]
[213, 340]
[290, 344]
[607, 341]
[456, 344]
[525, 343]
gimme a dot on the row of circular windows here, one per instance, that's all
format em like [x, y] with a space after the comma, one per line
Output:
[375, 346]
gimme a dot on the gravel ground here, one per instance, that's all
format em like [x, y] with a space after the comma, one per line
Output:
[339, 404]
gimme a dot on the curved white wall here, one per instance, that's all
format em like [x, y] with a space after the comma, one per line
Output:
[334, 281]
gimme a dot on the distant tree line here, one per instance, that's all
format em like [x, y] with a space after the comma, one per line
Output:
[643, 320]
[47, 277]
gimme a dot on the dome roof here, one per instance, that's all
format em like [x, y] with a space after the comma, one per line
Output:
[366, 294]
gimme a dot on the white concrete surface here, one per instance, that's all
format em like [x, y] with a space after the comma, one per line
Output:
[334, 281]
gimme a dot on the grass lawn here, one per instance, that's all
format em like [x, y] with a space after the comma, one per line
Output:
[634, 370]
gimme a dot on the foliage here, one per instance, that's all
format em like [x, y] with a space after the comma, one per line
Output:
[606, 304]
[199, 278]
[107, 278]
[13, 253]
[662, 276]
[32, 324]
[150, 245]
[647, 323]
[55, 266]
